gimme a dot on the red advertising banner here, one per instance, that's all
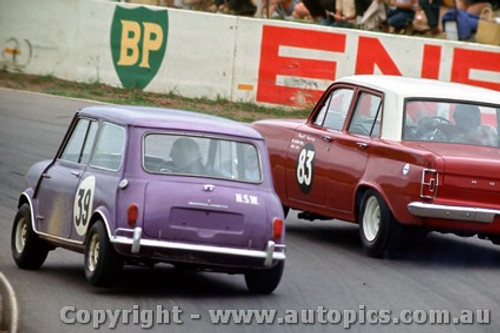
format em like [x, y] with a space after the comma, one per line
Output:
[469, 66]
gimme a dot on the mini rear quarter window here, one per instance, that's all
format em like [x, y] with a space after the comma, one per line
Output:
[108, 151]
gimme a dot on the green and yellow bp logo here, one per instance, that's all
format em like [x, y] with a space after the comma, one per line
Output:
[138, 44]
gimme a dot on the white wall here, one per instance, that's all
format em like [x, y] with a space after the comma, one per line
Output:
[238, 58]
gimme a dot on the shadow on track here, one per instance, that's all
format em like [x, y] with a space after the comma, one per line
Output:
[162, 280]
[445, 250]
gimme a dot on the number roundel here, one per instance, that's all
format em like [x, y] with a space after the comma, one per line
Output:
[82, 207]
[305, 167]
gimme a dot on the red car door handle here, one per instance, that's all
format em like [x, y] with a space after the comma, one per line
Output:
[327, 138]
[362, 145]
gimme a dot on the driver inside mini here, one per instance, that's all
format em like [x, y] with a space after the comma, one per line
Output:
[186, 156]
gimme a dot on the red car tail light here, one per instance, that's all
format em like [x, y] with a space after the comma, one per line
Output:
[277, 228]
[430, 183]
[132, 214]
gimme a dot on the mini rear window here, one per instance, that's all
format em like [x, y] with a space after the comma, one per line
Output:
[201, 156]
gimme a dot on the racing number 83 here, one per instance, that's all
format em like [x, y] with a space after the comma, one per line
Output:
[305, 167]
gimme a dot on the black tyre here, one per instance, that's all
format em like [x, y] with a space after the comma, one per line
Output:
[495, 239]
[28, 250]
[102, 263]
[286, 210]
[264, 281]
[379, 231]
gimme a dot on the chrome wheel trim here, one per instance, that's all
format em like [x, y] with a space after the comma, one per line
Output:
[371, 219]
[21, 233]
[93, 256]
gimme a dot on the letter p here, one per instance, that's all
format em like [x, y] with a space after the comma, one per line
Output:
[150, 43]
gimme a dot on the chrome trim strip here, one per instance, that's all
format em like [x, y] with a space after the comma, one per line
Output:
[44, 234]
[104, 220]
[423, 183]
[30, 203]
[136, 240]
[268, 254]
[460, 213]
[60, 239]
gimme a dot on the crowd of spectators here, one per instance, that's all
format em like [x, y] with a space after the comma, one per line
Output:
[411, 17]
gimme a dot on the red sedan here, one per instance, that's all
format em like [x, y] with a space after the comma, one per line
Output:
[399, 156]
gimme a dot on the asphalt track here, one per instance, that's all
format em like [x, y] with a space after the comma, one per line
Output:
[325, 265]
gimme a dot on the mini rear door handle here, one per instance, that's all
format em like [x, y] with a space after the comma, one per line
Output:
[75, 173]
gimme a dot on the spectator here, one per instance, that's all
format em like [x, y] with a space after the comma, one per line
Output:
[279, 8]
[238, 7]
[431, 10]
[401, 14]
[300, 11]
[473, 6]
[318, 9]
[374, 15]
[466, 22]
[345, 14]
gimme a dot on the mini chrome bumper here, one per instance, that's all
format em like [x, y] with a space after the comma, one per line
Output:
[460, 213]
[122, 236]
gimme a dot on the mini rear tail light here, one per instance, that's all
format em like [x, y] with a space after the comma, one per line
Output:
[429, 186]
[277, 228]
[132, 214]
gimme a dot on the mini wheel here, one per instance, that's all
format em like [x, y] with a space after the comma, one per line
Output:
[28, 250]
[102, 263]
[264, 281]
[379, 230]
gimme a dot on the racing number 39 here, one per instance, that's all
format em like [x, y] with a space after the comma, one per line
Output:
[305, 167]
[82, 207]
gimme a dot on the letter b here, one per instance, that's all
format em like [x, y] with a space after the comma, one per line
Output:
[130, 42]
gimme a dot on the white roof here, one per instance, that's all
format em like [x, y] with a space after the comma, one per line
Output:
[426, 88]
[397, 88]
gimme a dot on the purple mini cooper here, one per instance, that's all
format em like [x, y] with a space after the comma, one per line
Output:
[141, 185]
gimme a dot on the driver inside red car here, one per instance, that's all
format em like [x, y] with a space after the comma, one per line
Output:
[468, 121]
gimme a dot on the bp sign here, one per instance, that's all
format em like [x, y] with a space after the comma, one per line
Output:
[138, 43]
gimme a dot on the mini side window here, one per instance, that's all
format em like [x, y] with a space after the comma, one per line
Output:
[366, 116]
[333, 113]
[77, 149]
[108, 151]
